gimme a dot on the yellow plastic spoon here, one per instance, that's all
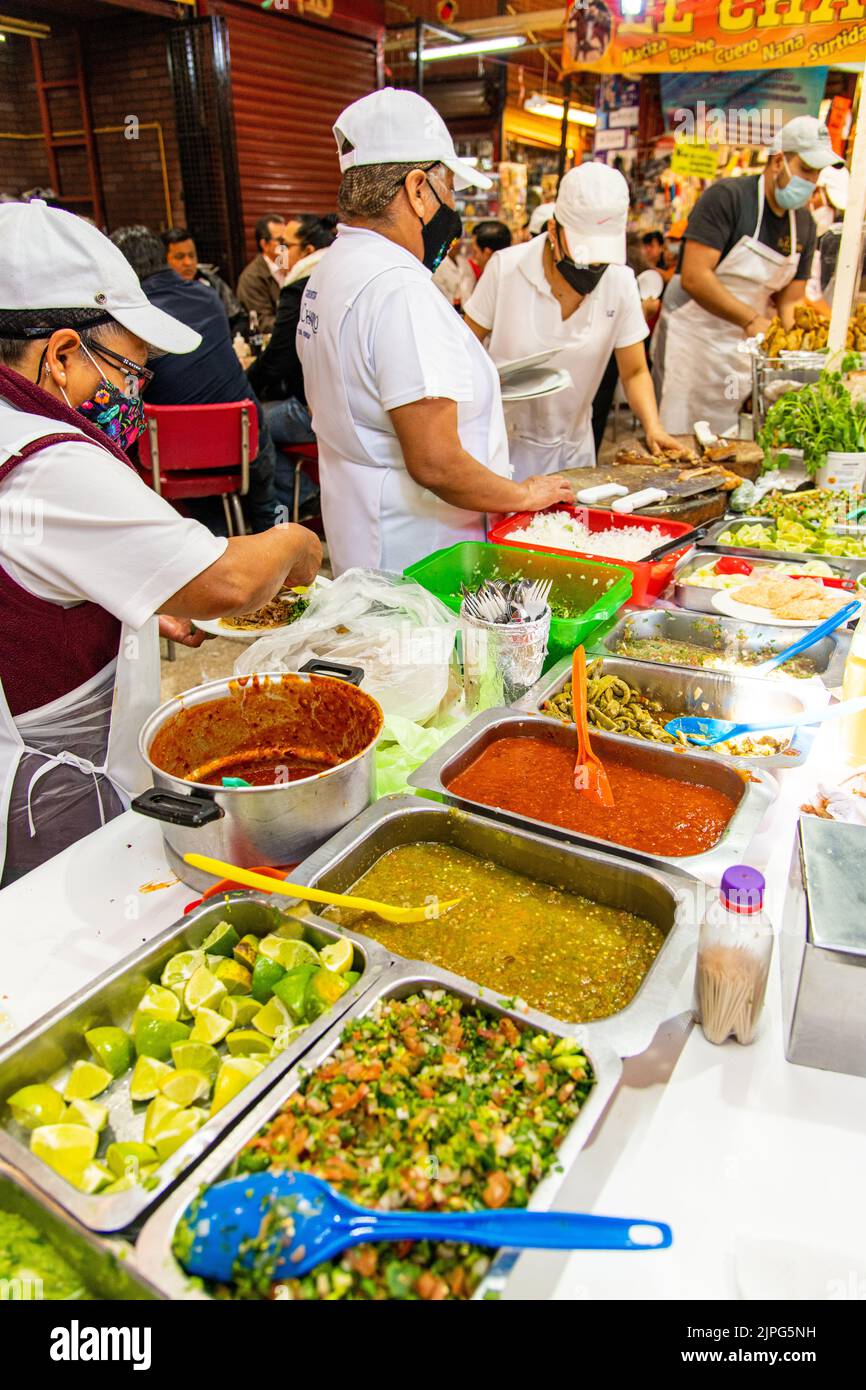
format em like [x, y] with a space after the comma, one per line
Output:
[400, 915]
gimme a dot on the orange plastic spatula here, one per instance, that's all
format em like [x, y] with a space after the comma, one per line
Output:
[589, 774]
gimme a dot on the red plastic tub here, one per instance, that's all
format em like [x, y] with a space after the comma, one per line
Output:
[650, 578]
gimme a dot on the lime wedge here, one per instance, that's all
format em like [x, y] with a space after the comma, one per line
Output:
[86, 1080]
[95, 1178]
[245, 1042]
[87, 1112]
[324, 989]
[157, 1114]
[176, 1130]
[246, 950]
[147, 1077]
[234, 1074]
[183, 1087]
[112, 1048]
[196, 1056]
[127, 1159]
[265, 975]
[181, 968]
[286, 1036]
[209, 1027]
[338, 956]
[288, 954]
[159, 1002]
[221, 941]
[66, 1148]
[272, 1018]
[37, 1105]
[236, 978]
[239, 1009]
[203, 991]
[154, 1037]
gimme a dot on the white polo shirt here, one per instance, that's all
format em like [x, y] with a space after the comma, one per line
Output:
[375, 334]
[514, 301]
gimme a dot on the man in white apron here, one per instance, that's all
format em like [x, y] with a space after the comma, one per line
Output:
[569, 290]
[88, 553]
[747, 256]
[406, 405]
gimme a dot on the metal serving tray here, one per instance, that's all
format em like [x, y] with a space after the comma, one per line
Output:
[106, 1267]
[717, 633]
[669, 900]
[752, 796]
[847, 565]
[153, 1251]
[699, 597]
[57, 1039]
[682, 690]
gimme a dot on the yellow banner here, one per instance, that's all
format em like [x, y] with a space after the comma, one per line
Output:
[699, 36]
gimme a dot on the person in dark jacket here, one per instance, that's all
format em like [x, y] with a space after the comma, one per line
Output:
[181, 255]
[261, 281]
[211, 373]
[276, 376]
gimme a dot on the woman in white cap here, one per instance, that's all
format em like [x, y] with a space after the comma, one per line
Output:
[569, 290]
[406, 405]
[747, 257]
[828, 206]
[88, 553]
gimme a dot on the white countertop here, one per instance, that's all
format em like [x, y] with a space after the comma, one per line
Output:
[756, 1164]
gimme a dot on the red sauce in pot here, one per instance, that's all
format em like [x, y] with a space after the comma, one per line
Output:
[653, 813]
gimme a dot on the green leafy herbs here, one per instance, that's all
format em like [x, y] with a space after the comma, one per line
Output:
[819, 419]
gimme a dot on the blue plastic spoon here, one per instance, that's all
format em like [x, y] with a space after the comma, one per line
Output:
[710, 731]
[296, 1221]
[809, 639]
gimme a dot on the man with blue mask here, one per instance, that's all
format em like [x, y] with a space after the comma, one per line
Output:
[747, 255]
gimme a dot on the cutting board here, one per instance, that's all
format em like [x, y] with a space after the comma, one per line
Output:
[681, 504]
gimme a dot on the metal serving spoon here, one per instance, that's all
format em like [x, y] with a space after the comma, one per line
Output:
[311, 1223]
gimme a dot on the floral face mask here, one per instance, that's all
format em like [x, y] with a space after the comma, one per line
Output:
[119, 414]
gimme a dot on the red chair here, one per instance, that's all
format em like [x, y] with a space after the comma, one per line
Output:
[192, 451]
[306, 460]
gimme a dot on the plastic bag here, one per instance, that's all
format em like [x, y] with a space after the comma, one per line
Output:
[401, 635]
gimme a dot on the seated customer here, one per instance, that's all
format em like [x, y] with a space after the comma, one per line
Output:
[209, 374]
[181, 256]
[261, 281]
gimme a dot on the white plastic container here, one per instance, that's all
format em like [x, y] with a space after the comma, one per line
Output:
[734, 951]
[842, 471]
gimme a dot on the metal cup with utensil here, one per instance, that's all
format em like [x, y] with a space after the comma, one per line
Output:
[505, 627]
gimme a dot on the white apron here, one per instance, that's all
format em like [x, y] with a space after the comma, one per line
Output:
[706, 377]
[79, 750]
[376, 516]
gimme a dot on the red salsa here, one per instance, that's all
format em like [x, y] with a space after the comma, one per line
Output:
[653, 813]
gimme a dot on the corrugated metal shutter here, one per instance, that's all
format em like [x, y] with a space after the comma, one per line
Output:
[290, 81]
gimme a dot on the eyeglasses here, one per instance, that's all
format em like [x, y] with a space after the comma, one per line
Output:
[142, 374]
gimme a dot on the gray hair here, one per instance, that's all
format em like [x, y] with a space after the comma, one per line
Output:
[19, 327]
[367, 190]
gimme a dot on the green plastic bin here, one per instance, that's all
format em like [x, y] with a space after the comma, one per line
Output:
[592, 591]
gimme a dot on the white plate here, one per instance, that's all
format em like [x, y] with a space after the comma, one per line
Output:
[529, 385]
[724, 602]
[214, 626]
[525, 364]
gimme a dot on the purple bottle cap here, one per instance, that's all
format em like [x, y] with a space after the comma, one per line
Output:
[742, 889]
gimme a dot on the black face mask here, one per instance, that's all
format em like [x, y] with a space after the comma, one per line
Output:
[582, 279]
[440, 233]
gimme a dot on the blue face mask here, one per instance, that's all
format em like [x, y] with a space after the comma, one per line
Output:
[796, 193]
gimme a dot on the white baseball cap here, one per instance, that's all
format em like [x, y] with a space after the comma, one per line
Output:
[54, 260]
[392, 126]
[836, 180]
[592, 206]
[540, 218]
[809, 139]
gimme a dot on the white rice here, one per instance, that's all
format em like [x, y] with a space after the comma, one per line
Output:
[564, 532]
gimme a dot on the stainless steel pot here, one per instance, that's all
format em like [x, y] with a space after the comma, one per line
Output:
[278, 824]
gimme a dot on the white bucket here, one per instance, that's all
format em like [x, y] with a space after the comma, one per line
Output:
[842, 471]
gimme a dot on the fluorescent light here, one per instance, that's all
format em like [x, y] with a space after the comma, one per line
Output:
[540, 106]
[466, 50]
[632, 8]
